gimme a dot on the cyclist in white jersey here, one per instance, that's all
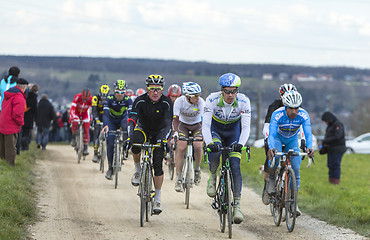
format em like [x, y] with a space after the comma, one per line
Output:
[187, 117]
[227, 116]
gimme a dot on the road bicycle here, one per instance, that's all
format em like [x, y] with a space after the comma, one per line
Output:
[117, 154]
[224, 200]
[285, 189]
[187, 174]
[102, 148]
[146, 186]
[79, 142]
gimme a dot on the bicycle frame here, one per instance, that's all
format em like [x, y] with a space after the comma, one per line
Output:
[145, 190]
[187, 175]
[117, 162]
[286, 189]
[224, 199]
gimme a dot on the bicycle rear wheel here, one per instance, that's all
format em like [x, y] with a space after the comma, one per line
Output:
[171, 165]
[229, 203]
[277, 201]
[291, 201]
[143, 189]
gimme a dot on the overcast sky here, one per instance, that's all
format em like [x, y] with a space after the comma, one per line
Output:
[309, 32]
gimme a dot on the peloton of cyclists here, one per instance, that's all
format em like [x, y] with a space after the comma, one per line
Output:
[98, 102]
[284, 127]
[227, 116]
[116, 112]
[188, 110]
[80, 111]
[151, 118]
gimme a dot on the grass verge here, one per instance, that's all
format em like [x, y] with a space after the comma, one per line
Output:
[17, 204]
[345, 205]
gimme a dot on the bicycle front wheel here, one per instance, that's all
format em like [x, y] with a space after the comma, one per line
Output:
[150, 195]
[229, 203]
[143, 188]
[291, 200]
[80, 145]
[221, 197]
[187, 183]
[116, 164]
[102, 155]
[277, 201]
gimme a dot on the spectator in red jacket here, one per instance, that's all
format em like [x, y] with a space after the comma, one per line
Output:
[12, 119]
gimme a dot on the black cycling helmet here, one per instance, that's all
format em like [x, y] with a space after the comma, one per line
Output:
[155, 80]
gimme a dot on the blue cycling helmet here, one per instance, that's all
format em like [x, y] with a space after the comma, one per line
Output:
[230, 80]
[189, 88]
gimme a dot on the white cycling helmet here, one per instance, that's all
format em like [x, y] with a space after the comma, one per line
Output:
[292, 99]
[286, 87]
[190, 88]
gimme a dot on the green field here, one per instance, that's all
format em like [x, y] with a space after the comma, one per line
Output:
[346, 205]
[17, 201]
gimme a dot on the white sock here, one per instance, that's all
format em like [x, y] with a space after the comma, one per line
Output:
[137, 166]
[157, 195]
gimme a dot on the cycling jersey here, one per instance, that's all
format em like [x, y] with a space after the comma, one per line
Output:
[152, 116]
[79, 109]
[97, 106]
[282, 125]
[188, 113]
[215, 113]
[117, 109]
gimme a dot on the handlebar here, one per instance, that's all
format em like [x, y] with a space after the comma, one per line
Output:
[292, 153]
[228, 149]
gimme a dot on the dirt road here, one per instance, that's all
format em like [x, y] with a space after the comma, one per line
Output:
[76, 202]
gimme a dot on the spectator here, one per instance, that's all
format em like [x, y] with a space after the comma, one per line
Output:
[54, 133]
[67, 127]
[29, 117]
[45, 114]
[334, 144]
[8, 82]
[12, 120]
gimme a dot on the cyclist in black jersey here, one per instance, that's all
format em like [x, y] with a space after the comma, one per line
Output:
[277, 103]
[151, 118]
[97, 105]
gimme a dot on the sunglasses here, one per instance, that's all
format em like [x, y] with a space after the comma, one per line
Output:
[194, 95]
[120, 92]
[155, 89]
[230, 91]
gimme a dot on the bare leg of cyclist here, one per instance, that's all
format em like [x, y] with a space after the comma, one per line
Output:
[179, 161]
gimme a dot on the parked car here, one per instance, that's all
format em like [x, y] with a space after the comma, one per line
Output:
[360, 144]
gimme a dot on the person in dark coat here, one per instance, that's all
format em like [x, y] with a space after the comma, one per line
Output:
[29, 117]
[45, 114]
[334, 144]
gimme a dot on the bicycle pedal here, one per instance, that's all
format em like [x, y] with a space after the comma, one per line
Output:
[214, 205]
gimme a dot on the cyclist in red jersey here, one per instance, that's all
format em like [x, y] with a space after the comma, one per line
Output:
[80, 110]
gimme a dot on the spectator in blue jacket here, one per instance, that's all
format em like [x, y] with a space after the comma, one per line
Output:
[8, 82]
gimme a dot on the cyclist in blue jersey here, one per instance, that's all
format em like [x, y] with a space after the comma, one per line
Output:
[226, 119]
[116, 111]
[284, 127]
